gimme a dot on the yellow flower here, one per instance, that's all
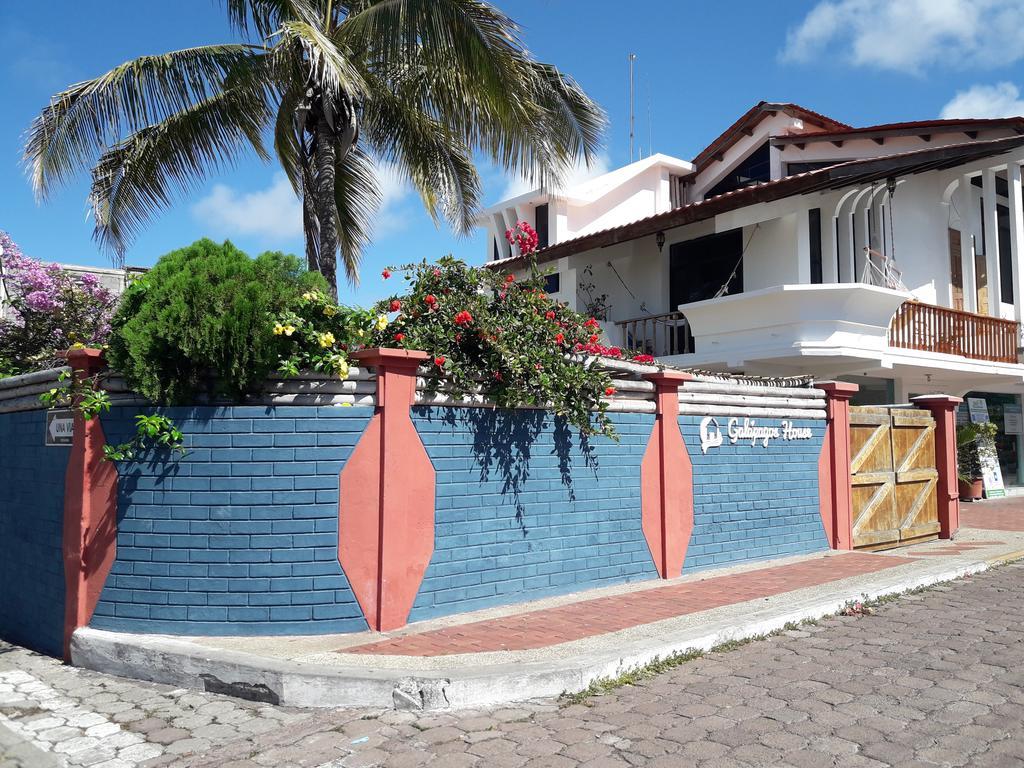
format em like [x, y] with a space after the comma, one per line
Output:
[310, 295]
[342, 369]
[278, 329]
[325, 339]
[288, 329]
[360, 333]
[382, 322]
[346, 405]
[330, 311]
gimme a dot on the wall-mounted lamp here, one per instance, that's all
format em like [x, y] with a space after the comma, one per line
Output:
[660, 240]
[890, 184]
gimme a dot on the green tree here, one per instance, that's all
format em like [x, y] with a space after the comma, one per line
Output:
[420, 84]
[200, 321]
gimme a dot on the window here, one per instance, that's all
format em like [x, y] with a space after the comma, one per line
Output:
[552, 283]
[795, 168]
[497, 253]
[1005, 256]
[814, 233]
[756, 167]
[540, 223]
[699, 268]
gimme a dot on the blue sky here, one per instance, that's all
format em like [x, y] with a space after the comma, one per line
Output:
[700, 65]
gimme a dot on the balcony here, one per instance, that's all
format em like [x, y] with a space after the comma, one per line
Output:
[928, 328]
[659, 335]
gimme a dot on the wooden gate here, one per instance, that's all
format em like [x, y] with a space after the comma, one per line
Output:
[892, 464]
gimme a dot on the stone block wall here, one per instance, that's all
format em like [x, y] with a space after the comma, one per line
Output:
[31, 526]
[754, 501]
[526, 509]
[240, 535]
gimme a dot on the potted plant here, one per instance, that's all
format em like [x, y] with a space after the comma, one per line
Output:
[974, 447]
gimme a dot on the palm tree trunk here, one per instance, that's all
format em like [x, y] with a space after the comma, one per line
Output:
[309, 225]
[325, 204]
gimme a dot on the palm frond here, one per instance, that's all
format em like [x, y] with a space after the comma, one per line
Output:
[357, 197]
[332, 70]
[85, 118]
[265, 17]
[573, 121]
[138, 177]
[434, 158]
[287, 144]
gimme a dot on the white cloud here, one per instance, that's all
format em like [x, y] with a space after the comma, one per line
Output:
[910, 35]
[999, 100]
[578, 174]
[275, 213]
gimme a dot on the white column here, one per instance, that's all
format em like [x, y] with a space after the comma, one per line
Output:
[850, 257]
[803, 248]
[829, 249]
[964, 206]
[988, 191]
[1016, 241]
[865, 241]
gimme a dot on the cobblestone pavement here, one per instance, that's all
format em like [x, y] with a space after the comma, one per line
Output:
[932, 679]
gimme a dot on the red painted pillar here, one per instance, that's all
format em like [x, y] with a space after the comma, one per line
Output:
[90, 510]
[666, 480]
[386, 510]
[834, 484]
[943, 410]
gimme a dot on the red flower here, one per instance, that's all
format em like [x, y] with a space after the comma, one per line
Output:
[615, 352]
[399, 337]
[591, 323]
[550, 315]
[498, 376]
[643, 358]
[439, 361]
[396, 305]
[609, 391]
[431, 300]
[593, 339]
[437, 272]
[559, 338]
[510, 278]
[386, 274]
[463, 318]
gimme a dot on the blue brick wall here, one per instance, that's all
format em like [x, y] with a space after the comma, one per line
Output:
[524, 511]
[240, 536]
[753, 502]
[31, 534]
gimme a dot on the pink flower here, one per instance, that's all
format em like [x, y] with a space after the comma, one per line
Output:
[386, 274]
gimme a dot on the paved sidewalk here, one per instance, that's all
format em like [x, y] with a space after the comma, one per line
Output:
[604, 615]
[514, 653]
[932, 679]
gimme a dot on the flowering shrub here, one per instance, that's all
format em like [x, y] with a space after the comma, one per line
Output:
[315, 334]
[48, 311]
[524, 237]
[488, 330]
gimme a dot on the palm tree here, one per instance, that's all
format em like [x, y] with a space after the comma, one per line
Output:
[340, 85]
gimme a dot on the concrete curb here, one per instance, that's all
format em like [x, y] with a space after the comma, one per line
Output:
[173, 661]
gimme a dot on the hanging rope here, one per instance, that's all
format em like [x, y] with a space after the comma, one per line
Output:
[643, 304]
[725, 286]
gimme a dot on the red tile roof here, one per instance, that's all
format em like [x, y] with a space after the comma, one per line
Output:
[755, 115]
[831, 177]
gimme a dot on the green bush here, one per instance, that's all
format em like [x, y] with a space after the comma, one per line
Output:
[198, 322]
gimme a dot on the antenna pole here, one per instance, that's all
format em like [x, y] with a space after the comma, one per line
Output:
[632, 118]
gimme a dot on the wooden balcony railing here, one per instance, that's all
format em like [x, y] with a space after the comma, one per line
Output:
[658, 335]
[954, 332]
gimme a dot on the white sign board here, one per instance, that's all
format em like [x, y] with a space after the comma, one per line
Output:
[991, 474]
[60, 427]
[749, 431]
[978, 409]
[1013, 420]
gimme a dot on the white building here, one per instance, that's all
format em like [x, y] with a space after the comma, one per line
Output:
[889, 255]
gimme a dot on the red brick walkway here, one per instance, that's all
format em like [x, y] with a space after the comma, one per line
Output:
[995, 515]
[575, 621]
